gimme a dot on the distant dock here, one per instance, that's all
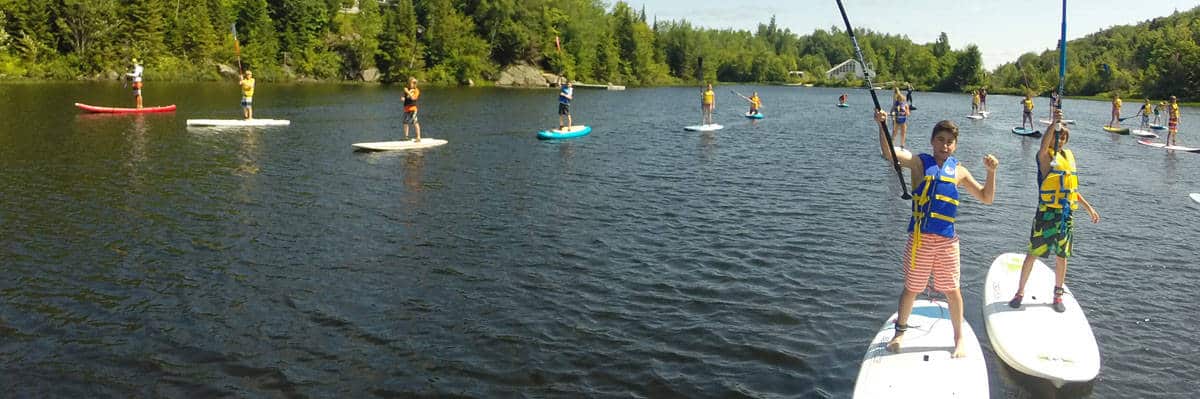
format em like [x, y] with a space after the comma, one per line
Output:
[598, 86]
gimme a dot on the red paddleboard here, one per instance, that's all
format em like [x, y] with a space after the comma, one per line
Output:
[109, 110]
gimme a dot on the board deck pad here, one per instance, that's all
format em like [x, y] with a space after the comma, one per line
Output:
[1034, 339]
[923, 368]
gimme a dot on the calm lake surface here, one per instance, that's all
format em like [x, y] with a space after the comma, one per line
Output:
[145, 259]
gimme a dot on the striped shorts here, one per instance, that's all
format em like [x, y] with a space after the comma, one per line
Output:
[937, 256]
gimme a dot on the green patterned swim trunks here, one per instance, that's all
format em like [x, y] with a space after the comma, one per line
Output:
[1050, 233]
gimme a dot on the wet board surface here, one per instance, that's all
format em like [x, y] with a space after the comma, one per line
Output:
[1034, 339]
[567, 133]
[236, 122]
[1168, 147]
[923, 367]
[704, 128]
[1143, 133]
[425, 142]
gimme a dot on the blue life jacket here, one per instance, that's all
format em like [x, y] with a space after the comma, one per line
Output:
[935, 199]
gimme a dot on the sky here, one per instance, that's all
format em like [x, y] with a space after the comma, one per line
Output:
[1003, 29]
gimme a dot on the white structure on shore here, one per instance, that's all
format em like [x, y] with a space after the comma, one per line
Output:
[850, 66]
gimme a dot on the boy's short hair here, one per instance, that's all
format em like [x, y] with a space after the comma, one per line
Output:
[945, 126]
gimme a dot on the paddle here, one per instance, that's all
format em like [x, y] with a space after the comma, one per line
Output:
[237, 49]
[875, 98]
[1127, 117]
[1062, 77]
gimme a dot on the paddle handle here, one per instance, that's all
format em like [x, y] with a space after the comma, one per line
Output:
[1062, 76]
[870, 87]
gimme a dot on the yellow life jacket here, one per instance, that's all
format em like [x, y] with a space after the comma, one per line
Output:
[756, 101]
[708, 97]
[1028, 105]
[1060, 184]
[247, 87]
[1174, 111]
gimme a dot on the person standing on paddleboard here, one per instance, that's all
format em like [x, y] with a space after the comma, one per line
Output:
[842, 98]
[900, 114]
[566, 93]
[1027, 115]
[1058, 196]
[411, 95]
[1158, 109]
[983, 99]
[136, 77]
[1116, 111]
[1145, 113]
[1172, 120]
[932, 247]
[755, 103]
[708, 104]
[247, 84]
[975, 102]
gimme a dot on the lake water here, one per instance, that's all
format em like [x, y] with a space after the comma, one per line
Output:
[145, 259]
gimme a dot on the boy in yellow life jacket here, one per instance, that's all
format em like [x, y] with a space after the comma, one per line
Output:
[1116, 112]
[975, 102]
[1027, 111]
[1058, 196]
[411, 95]
[933, 244]
[1158, 109]
[708, 104]
[1145, 113]
[247, 84]
[1172, 120]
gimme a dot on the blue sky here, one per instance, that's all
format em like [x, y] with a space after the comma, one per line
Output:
[1003, 29]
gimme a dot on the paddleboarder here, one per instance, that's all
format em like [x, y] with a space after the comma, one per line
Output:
[1027, 114]
[983, 99]
[1058, 197]
[842, 99]
[900, 114]
[708, 104]
[975, 102]
[933, 246]
[136, 77]
[1116, 111]
[1145, 114]
[1172, 120]
[247, 84]
[1157, 110]
[411, 95]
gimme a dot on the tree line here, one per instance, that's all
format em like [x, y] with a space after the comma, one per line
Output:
[457, 41]
[1154, 59]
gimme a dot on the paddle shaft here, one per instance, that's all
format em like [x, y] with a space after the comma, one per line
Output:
[237, 50]
[870, 87]
[1062, 76]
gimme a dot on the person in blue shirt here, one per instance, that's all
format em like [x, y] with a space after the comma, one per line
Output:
[565, 94]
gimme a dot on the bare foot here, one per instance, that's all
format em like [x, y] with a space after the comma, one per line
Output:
[894, 345]
[959, 350]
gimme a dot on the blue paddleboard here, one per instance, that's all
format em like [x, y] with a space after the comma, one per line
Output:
[754, 116]
[1023, 131]
[567, 133]
[843, 105]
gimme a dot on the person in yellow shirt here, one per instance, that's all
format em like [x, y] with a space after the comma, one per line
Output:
[1172, 120]
[247, 84]
[1027, 107]
[1116, 111]
[708, 104]
[975, 102]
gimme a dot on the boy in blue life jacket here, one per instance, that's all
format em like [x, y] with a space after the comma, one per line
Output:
[932, 247]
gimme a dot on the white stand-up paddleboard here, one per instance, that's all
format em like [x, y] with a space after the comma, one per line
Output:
[704, 128]
[236, 122]
[975, 116]
[923, 368]
[1047, 121]
[425, 142]
[1143, 133]
[1168, 147]
[1195, 197]
[1034, 339]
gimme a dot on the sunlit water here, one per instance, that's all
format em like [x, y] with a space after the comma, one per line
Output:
[142, 258]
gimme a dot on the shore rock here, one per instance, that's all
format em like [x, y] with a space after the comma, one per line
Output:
[370, 75]
[522, 76]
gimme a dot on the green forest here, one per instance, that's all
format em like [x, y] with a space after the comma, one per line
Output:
[461, 41]
[1154, 59]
